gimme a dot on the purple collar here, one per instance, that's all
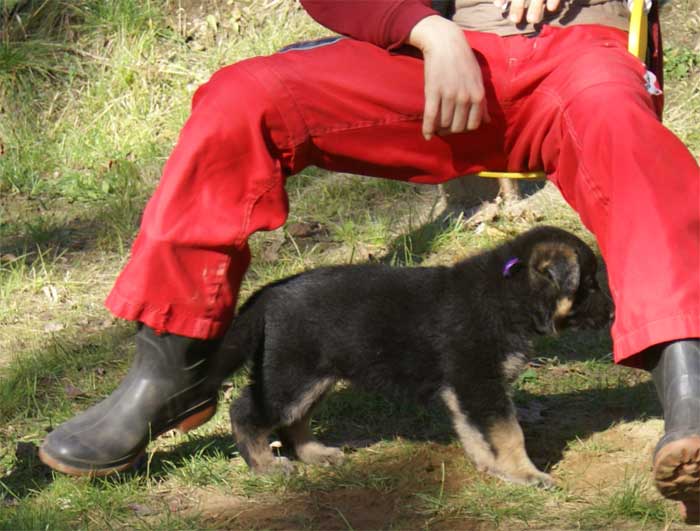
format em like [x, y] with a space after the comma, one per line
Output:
[510, 266]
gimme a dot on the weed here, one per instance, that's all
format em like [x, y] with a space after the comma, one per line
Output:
[92, 96]
[631, 501]
[680, 62]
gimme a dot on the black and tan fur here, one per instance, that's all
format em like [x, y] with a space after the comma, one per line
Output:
[459, 333]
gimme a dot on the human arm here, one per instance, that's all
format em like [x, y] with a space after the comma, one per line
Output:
[386, 23]
[454, 87]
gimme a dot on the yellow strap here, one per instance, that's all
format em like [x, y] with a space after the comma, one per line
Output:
[636, 44]
[637, 40]
[512, 175]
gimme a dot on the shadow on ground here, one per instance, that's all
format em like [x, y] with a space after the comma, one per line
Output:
[63, 376]
[35, 228]
[397, 485]
[354, 419]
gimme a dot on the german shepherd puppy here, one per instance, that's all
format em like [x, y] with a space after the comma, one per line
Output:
[460, 333]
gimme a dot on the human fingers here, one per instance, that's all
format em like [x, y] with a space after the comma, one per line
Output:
[517, 10]
[461, 113]
[535, 12]
[475, 115]
[447, 110]
[552, 5]
[430, 113]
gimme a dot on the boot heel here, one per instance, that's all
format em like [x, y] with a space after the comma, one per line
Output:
[677, 475]
[196, 420]
[690, 510]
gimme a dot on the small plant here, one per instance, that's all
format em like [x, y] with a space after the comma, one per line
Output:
[633, 500]
[680, 62]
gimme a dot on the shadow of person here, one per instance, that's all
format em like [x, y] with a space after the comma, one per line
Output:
[27, 475]
[357, 419]
[354, 419]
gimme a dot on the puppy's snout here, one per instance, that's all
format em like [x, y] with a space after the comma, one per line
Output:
[601, 311]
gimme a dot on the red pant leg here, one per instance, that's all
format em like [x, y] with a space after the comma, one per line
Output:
[636, 187]
[191, 253]
[259, 121]
[348, 106]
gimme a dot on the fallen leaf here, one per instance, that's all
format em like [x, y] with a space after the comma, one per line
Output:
[142, 510]
[53, 327]
[51, 293]
[175, 505]
[271, 251]
[73, 391]
[306, 229]
[487, 213]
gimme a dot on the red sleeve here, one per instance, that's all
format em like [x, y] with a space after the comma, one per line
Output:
[386, 23]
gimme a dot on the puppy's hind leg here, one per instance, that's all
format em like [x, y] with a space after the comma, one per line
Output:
[295, 424]
[251, 429]
[308, 450]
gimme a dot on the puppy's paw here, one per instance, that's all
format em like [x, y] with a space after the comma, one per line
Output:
[317, 454]
[533, 478]
[277, 465]
[540, 479]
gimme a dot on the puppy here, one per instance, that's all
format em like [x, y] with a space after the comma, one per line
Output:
[460, 333]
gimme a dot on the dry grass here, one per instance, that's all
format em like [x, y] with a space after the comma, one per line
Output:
[92, 95]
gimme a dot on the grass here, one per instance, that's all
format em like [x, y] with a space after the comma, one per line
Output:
[92, 96]
[634, 500]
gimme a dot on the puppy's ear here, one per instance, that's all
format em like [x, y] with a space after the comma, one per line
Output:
[557, 264]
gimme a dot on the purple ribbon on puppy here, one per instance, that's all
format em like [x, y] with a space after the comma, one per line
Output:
[508, 268]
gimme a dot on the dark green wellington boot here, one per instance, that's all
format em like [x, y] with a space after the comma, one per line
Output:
[677, 455]
[173, 383]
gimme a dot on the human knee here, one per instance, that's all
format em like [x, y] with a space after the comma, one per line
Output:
[231, 92]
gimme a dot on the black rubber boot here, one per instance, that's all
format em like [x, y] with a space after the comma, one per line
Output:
[172, 384]
[677, 455]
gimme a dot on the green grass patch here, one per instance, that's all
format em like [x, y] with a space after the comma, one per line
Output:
[490, 501]
[92, 96]
[633, 501]
[680, 63]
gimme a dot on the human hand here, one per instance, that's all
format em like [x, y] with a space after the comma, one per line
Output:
[454, 88]
[535, 9]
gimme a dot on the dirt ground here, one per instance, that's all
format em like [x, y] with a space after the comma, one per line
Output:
[606, 460]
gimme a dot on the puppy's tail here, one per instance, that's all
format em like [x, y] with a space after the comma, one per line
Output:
[245, 339]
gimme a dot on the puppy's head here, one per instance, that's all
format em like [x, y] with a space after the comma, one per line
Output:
[561, 275]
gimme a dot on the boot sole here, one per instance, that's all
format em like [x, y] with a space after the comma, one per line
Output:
[677, 475]
[183, 426]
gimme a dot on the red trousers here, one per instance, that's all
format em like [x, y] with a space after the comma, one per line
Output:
[570, 101]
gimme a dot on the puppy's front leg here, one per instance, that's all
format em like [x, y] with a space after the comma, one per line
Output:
[512, 460]
[500, 450]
